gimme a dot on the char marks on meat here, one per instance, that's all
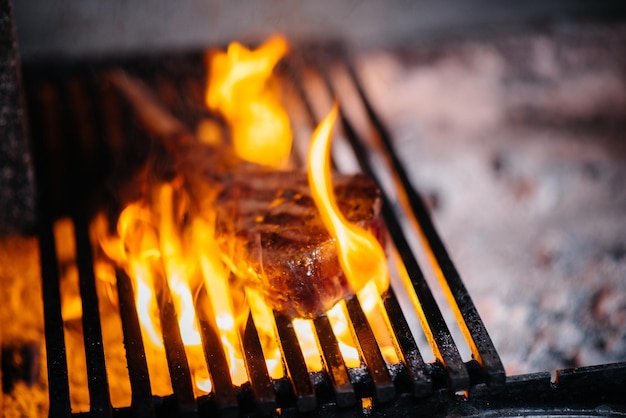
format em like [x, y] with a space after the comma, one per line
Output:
[273, 238]
[268, 228]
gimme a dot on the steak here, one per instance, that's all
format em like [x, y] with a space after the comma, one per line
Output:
[273, 239]
[269, 231]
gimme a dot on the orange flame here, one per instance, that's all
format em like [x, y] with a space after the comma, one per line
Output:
[154, 243]
[242, 88]
[215, 276]
[361, 256]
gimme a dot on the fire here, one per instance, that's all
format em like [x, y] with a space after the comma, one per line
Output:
[215, 276]
[154, 243]
[361, 256]
[165, 245]
[242, 88]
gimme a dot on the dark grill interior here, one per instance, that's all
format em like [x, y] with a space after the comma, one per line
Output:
[84, 134]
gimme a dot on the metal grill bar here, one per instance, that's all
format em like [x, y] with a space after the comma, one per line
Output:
[257, 370]
[215, 357]
[142, 403]
[369, 351]
[58, 382]
[416, 368]
[296, 366]
[82, 141]
[433, 322]
[333, 362]
[178, 365]
[100, 401]
[110, 122]
[432, 319]
[80, 138]
[380, 380]
[474, 329]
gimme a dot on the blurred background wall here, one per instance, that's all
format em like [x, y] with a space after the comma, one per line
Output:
[73, 27]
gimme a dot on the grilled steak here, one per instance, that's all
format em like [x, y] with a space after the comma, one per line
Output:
[273, 239]
[269, 230]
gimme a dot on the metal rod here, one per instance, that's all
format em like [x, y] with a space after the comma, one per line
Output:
[296, 366]
[474, 329]
[58, 382]
[433, 323]
[178, 365]
[223, 389]
[369, 350]
[97, 381]
[334, 363]
[432, 320]
[112, 127]
[262, 387]
[56, 357]
[77, 120]
[142, 403]
[416, 368]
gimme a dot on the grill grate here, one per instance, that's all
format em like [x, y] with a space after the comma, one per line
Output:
[79, 122]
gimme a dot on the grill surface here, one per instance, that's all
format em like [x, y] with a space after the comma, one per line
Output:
[84, 134]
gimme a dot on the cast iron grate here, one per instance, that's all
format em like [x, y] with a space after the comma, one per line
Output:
[81, 125]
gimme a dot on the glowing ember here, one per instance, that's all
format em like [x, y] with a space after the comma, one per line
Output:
[242, 88]
[361, 256]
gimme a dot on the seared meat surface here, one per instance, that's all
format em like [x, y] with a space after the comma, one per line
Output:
[272, 237]
[269, 231]
[268, 228]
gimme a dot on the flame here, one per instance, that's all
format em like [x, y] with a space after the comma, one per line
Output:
[162, 243]
[153, 243]
[71, 312]
[215, 276]
[176, 268]
[242, 88]
[339, 323]
[361, 256]
[138, 247]
[161, 240]
[265, 325]
[308, 343]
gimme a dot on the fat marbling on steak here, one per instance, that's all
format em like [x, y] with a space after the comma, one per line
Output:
[273, 238]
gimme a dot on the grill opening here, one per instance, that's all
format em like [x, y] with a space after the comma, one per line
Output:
[85, 132]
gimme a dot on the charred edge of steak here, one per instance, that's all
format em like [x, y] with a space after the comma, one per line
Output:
[273, 238]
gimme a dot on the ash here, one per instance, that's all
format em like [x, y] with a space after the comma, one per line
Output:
[518, 145]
